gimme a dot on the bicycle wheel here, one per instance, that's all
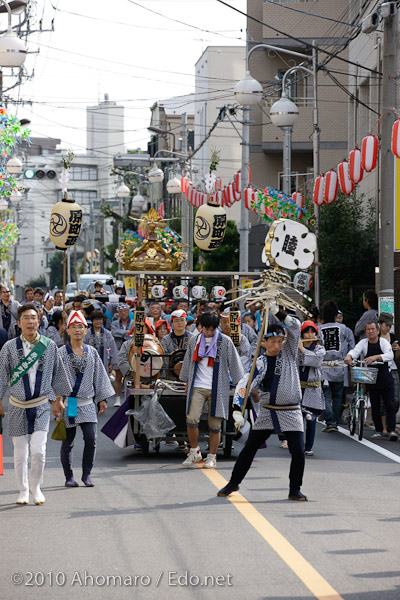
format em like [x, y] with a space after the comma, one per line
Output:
[361, 415]
[352, 417]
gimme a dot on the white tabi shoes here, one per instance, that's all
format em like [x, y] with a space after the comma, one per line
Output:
[23, 497]
[37, 495]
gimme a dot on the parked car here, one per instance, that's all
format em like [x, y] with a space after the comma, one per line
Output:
[88, 278]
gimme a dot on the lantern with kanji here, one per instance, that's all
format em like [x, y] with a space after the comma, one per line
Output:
[65, 223]
[331, 186]
[346, 184]
[209, 226]
[369, 153]
[356, 171]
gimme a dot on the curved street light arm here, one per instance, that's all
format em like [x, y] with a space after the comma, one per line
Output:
[277, 49]
[292, 70]
[9, 12]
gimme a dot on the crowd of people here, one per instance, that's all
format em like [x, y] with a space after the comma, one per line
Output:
[73, 358]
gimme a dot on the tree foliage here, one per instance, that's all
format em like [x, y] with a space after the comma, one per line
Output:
[37, 282]
[56, 270]
[348, 253]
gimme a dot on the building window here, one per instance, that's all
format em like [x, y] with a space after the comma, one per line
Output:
[83, 173]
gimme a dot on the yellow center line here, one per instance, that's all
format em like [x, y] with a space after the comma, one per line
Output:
[317, 585]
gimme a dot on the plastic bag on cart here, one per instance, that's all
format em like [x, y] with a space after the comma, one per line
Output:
[154, 421]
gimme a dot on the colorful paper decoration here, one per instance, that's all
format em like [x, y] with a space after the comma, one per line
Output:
[369, 153]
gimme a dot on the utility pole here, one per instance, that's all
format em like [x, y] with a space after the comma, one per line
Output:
[386, 216]
[244, 226]
[92, 234]
[102, 242]
[187, 214]
[316, 167]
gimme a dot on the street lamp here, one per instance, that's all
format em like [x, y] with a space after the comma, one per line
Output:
[12, 48]
[174, 185]
[123, 191]
[284, 114]
[14, 166]
[155, 175]
[248, 92]
[290, 109]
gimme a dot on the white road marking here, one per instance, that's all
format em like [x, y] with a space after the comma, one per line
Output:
[371, 445]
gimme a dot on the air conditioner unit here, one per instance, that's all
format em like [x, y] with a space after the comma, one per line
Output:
[388, 9]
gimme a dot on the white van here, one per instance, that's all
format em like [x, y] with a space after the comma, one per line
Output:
[88, 278]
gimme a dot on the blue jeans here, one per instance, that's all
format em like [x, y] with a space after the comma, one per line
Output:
[333, 412]
[89, 431]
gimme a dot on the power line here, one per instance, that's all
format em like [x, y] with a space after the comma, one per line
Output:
[307, 44]
[303, 12]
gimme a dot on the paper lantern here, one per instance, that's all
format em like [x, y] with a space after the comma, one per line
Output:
[184, 184]
[218, 184]
[346, 184]
[331, 186]
[297, 197]
[65, 223]
[396, 138]
[238, 182]
[209, 226]
[319, 190]
[369, 153]
[249, 198]
[356, 172]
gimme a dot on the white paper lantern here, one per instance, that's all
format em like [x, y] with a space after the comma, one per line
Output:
[65, 223]
[209, 226]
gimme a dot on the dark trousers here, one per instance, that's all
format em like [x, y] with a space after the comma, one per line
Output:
[387, 396]
[295, 441]
[89, 431]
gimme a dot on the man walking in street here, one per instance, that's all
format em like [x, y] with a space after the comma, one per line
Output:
[210, 361]
[91, 388]
[8, 312]
[31, 367]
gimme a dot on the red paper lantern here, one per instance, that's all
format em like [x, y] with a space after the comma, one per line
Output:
[346, 184]
[396, 138]
[161, 210]
[356, 172]
[218, 184]
[319, 190]
[331, 186]
[238, 181]
[369, 152]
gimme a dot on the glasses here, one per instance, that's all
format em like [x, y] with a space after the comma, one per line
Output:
[29, 318]
[5, 292]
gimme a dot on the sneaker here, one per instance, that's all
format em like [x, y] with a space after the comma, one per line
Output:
[87, 481]
[297, 495]
[393, 436]
[117, 402]
[309, 453]
[192, 458]
[377, 436]
[70, 482]
[210, 462]
[284, 444]
[330, 428]
[227, 490]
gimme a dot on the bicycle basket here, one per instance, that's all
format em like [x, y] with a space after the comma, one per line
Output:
[364, 374]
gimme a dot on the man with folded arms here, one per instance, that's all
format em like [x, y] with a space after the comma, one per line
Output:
[34, 372]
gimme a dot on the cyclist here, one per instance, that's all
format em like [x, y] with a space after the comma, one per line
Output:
[371, 349]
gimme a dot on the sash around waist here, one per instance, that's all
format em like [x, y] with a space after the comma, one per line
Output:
[284, 407]
[310, 384]
[81, 401]
[28, 403]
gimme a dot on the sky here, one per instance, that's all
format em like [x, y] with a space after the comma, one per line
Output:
[122, 48]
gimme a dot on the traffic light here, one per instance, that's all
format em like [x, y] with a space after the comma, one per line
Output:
[40, 173]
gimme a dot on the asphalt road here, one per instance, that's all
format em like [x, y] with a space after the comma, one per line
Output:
[151, 529]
